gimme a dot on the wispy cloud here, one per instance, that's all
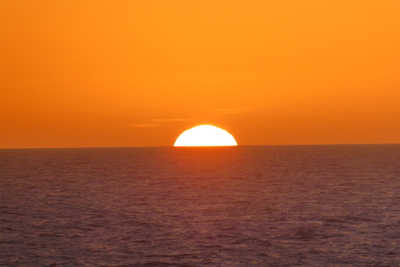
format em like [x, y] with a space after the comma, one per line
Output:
[169, 120]
[157, 123]
[145, 125]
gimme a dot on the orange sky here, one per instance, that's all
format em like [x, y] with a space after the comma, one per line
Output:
[138, 73]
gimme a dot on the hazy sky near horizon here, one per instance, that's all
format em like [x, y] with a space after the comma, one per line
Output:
[138, 73]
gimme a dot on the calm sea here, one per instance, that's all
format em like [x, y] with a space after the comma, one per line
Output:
[233, 206]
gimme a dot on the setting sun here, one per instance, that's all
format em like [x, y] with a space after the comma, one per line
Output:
[205, 135]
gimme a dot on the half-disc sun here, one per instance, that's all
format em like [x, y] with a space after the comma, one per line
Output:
[205, 135]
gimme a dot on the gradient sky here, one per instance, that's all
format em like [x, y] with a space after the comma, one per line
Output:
[138, 73]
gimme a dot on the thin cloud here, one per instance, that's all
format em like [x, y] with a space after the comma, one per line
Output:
[158, 124]
[169, 120]
[145, 125]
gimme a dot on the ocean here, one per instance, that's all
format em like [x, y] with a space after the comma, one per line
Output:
[335, 205]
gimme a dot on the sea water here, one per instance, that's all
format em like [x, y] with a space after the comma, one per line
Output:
[232, 206]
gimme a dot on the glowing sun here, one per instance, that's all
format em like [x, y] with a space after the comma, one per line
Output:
[205, 135]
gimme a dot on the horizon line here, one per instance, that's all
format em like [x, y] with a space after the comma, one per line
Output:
[171, 146]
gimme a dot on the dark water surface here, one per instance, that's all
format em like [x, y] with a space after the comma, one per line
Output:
[234, 206]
